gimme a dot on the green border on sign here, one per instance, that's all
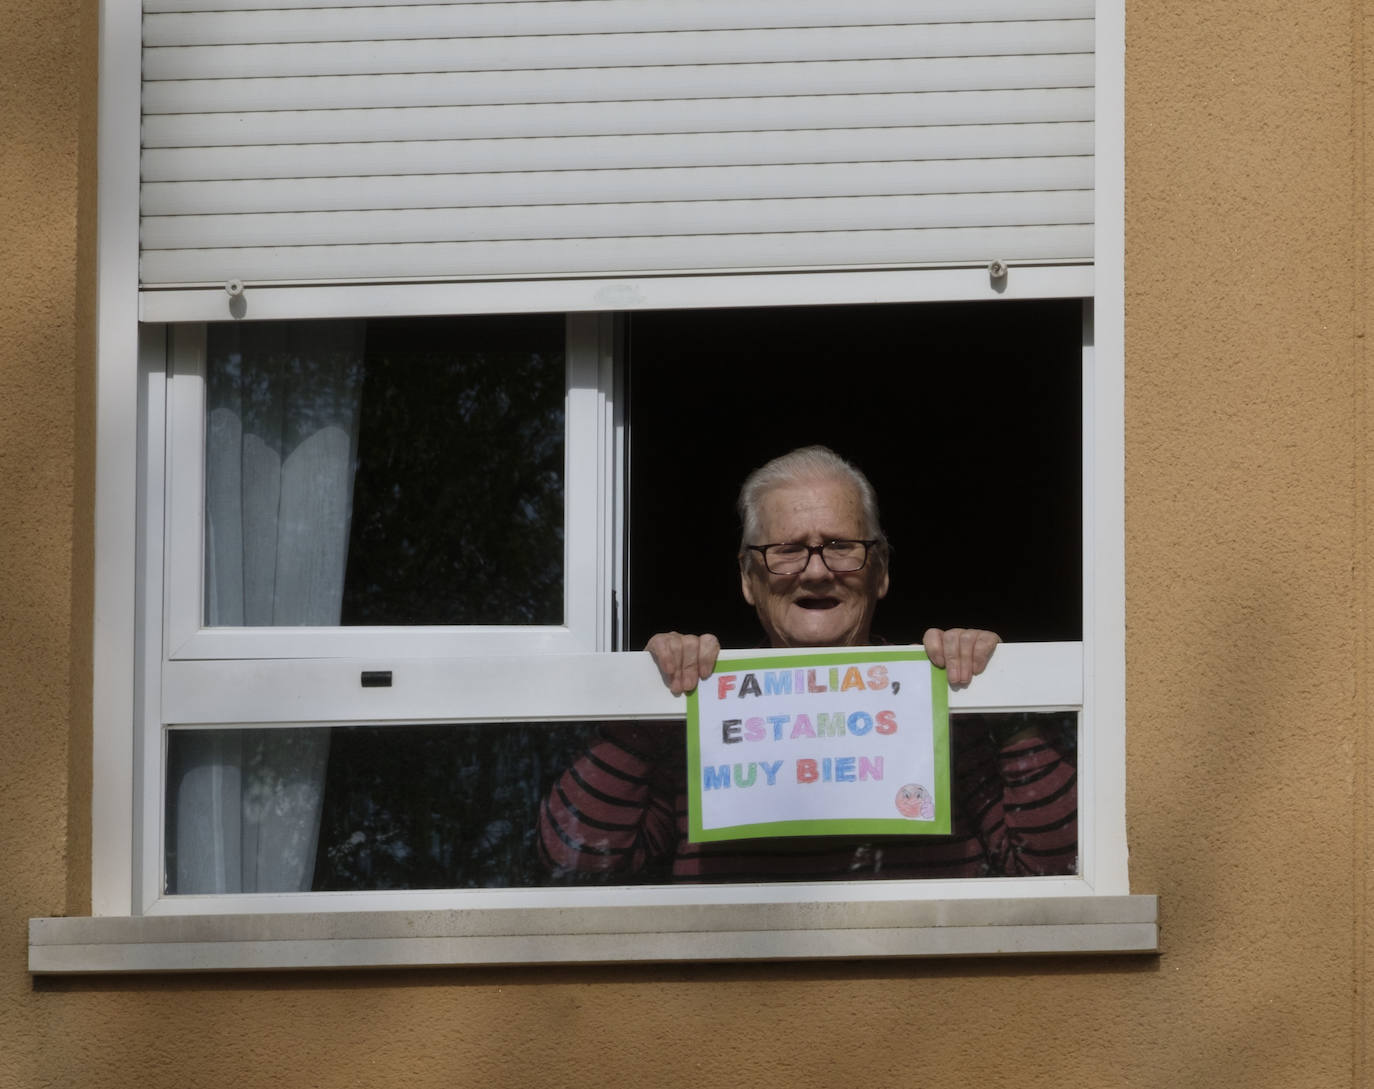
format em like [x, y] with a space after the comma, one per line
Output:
[871, 826]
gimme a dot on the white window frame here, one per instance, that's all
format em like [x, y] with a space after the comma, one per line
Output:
[315, 673]
[248, 677]
[589, 537]
[1093, 911]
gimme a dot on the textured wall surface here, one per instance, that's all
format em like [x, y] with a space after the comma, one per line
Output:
[40, 91]
[1248, 576]
[1245, 385]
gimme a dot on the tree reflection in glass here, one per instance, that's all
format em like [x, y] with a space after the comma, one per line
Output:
[425, 454]
[458, 498]
[441, 480]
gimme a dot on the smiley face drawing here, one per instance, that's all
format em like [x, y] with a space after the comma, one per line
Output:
[914, 801]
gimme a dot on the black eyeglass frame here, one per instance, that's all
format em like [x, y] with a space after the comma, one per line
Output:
[811, 550]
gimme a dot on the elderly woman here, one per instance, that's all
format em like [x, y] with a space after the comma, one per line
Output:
[813, 564]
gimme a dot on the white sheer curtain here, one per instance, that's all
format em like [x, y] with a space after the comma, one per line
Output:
[281, 444]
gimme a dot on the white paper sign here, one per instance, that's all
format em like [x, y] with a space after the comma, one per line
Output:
[852, 742]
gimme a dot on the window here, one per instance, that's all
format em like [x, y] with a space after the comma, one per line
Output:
[728, 209]
[407, 473]
[405, 477]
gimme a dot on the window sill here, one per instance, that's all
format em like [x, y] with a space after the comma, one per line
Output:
[744, 932]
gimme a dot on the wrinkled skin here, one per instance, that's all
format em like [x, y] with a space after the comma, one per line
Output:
[815, 607]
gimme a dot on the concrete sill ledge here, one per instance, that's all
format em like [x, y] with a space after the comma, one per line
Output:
[404, 939]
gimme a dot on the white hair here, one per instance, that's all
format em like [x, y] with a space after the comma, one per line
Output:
[807, 463]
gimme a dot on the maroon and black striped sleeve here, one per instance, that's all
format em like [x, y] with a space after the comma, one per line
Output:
[612, 812]
[1031, 827]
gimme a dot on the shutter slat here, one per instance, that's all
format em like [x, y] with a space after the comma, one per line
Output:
[342, 24]
[707, 12]
[611, 186]
[616, 84]
[616, 50]
[621, 118]
[974, 142]
[618, 220]
[621, 256]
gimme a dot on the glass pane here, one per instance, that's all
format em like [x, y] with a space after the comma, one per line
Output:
[519, 805]
[619, 812]
[967, 418]
[385, 472]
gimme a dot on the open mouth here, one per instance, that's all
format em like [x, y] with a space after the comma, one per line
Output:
[820, 603]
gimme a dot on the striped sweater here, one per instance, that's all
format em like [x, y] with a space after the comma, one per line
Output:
[620, 812]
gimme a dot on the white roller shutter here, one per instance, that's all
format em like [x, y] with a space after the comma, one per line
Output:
[347, 143]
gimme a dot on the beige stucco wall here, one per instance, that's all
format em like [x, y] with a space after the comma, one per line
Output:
[1248, 577]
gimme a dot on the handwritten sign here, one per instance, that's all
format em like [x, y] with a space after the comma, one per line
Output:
[852, 742]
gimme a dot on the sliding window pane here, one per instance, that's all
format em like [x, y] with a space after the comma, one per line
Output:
[385, 472]
[536, 804]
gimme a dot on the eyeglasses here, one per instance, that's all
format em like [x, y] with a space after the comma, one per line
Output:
[791, 558]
